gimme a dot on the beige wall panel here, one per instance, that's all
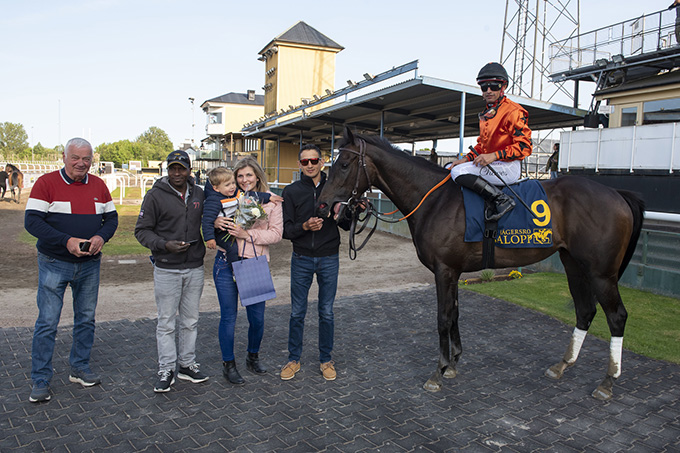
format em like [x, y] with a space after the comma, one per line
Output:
[237, 115]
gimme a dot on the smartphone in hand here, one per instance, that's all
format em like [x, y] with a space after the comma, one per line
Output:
[84, 246]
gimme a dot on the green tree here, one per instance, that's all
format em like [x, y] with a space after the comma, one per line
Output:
[13, 140]
[45, 154]
[155, 144]
[119, 152]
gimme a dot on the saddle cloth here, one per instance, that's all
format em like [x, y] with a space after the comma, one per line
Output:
[518, 228]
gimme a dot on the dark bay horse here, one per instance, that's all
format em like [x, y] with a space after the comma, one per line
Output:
[3, 182]
[595, 230]
[16, 181]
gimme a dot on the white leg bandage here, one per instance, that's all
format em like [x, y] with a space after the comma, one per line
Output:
[615, 348]
[575, 346]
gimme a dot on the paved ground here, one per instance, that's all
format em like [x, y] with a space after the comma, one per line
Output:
[385, 350]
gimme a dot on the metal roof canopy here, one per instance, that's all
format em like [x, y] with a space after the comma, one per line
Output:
[420, 109]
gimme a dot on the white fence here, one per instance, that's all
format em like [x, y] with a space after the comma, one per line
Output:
[647, 147]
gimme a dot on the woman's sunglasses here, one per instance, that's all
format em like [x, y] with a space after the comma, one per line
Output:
[495, 86]
[313, 161]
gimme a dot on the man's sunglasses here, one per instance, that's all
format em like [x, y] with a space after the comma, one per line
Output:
[495, 86]
[313, 161]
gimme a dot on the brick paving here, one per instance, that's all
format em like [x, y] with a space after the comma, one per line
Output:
[386, 347]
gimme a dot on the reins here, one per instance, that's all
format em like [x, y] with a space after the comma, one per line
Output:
[361, 205]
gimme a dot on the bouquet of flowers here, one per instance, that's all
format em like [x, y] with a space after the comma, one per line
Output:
[248, 214]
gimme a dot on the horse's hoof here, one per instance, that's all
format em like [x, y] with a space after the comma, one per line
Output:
[450, 372]
[432, 386]
[602, 394]
[556, 371]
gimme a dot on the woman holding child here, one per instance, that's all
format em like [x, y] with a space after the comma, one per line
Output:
[220, 231]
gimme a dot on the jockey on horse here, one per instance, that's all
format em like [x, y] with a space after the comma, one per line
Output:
[504, 140]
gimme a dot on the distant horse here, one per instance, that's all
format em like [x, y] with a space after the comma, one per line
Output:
[3, 182]
[595, 230]
[16, 181]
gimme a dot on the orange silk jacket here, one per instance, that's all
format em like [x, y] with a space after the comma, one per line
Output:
[506, 133]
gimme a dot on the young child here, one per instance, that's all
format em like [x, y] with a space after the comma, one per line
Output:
[221, 200]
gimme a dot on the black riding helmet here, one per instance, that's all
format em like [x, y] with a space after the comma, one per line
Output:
[492, 71]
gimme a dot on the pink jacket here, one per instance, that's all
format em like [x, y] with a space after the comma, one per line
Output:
[269, 232]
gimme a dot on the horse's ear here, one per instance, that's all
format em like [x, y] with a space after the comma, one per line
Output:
[347, 136]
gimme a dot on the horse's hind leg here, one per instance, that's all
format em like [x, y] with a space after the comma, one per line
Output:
[447, 327]
[586, 308]
[607, 291]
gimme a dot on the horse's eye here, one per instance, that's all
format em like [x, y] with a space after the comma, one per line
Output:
[344, 165]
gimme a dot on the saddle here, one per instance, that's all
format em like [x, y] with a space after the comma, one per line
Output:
[519, 228]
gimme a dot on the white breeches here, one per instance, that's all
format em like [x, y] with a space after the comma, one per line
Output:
[509, 171]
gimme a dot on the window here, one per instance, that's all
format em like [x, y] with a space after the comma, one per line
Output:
[628, 116]
[215, 118]
[663, 111]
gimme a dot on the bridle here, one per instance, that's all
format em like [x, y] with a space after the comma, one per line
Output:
[362, 205]
[359, 205]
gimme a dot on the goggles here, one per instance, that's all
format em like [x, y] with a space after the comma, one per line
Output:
[313, 161]
[495, 86]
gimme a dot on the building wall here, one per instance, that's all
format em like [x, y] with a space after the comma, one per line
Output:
[234, 116]
[288, 161]
[302, 72]
[636, 98]
[293, 73]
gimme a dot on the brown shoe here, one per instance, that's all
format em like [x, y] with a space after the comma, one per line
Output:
[289, 369]
[328, 371]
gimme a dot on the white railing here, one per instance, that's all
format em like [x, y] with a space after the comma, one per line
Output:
[145, 180]
[633, 148]
[640, 35]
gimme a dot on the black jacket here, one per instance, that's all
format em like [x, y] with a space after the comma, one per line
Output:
[299, 204]
[165, 217]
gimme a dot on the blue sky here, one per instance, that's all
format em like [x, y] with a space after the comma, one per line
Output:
[107, 70]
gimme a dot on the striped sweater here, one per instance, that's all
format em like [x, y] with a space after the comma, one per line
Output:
[60, 208]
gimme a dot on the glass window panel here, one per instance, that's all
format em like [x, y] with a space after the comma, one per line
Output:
[628, 116]
[663, 111]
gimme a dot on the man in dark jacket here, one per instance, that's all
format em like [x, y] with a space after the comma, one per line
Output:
[169, 224]
[316, 242]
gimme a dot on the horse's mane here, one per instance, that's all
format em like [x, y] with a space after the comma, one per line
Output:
[12, 167]
[385, 144]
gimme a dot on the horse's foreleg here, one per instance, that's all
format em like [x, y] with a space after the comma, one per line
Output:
[447, 327]
[454, 335]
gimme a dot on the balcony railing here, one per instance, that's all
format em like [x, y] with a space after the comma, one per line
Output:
[647, 33]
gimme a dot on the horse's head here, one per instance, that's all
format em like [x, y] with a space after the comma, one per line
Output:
[348, 178]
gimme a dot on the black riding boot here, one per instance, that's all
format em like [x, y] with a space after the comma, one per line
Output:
[231, 373]
[489, 192]
[253, 363]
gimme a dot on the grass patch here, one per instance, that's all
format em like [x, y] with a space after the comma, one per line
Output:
[123, 242]
[653, 320]
[131, 193]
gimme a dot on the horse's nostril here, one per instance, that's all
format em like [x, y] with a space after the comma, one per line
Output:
[323, 206]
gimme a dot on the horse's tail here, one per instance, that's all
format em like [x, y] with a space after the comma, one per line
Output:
[637, 207]
[14, 179]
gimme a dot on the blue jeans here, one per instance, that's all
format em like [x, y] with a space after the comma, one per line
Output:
[227, 294]
[302, 270]
[177, 291]
[53, 277]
